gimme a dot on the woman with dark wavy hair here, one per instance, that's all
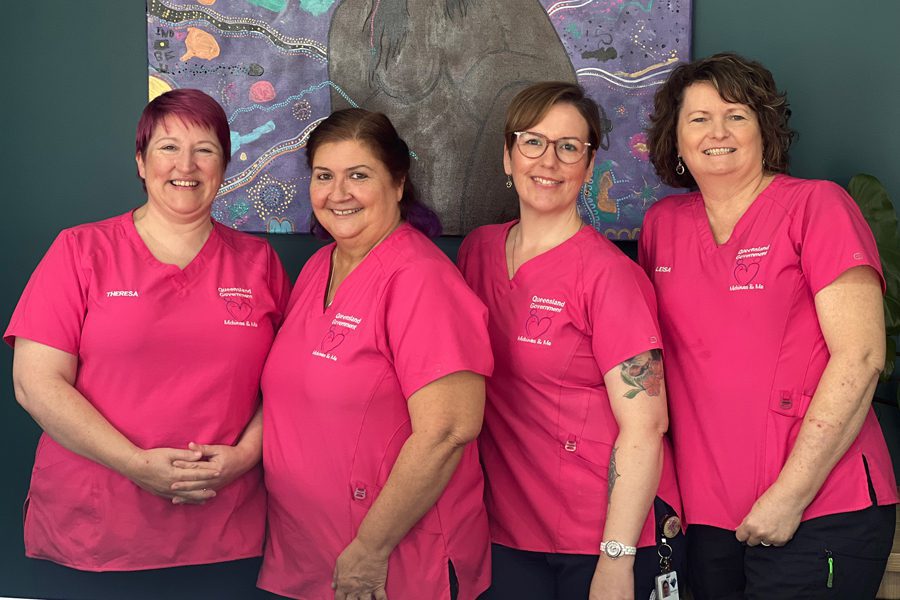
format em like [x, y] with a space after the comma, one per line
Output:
[374, 391]
[769, 294]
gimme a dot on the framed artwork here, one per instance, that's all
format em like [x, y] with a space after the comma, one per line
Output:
[444, 72]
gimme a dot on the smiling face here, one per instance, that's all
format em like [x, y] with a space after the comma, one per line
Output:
[353, 195]
[546, 184]
[718, 138]
[183, 168]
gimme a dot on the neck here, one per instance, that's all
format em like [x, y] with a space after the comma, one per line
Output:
[349, 254]
[728, 195]
[537, 233]
[171, 242]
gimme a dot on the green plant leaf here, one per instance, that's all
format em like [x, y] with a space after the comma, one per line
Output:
[878, 210]
[632, 393]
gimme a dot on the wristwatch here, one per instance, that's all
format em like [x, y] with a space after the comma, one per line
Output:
[614, 549]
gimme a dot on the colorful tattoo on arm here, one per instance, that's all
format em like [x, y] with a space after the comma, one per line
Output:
[613, 474]
[643, 373]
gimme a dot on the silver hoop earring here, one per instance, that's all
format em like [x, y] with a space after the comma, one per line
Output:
[679, 168]
[508, 182]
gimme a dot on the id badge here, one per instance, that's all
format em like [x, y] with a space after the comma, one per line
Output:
[667, 586]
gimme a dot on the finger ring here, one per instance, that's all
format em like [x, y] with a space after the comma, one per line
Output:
[765, 543]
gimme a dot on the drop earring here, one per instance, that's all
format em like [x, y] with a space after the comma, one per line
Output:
[508, 182]
[679, 168]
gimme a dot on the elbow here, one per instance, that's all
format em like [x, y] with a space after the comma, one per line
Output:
[464, 433]
[20, 389]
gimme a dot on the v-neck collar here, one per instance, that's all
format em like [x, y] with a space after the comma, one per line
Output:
[533, 262]
[379, 248]
[704, 229]
[179, 276]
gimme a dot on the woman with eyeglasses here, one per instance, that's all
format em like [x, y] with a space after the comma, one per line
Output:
[577, 468]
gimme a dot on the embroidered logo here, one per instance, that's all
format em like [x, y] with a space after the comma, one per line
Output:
[746, 268]
[539, 320]
[122, 294]
[238, 306]
[341, 326]
[663, 269]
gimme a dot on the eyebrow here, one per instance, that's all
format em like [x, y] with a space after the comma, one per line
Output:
[347, 169]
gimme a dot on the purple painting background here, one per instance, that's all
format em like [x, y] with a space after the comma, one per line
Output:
[265, 62]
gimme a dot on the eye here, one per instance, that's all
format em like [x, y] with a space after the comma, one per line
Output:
[168, 147]
[569, 146]
[737, 117]
[356, 175]
[323, 176]
[698, 120]
[206, 150]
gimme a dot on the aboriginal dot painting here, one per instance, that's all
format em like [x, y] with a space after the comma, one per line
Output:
[442, 70]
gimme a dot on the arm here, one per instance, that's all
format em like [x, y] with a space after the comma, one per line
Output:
[446, 415]
[638, 400]
[43, 378]
[852, 320]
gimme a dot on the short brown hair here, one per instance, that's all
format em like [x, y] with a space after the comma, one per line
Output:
[534, 102]
[737, 80]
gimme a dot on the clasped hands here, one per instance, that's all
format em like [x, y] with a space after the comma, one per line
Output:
[190, 476]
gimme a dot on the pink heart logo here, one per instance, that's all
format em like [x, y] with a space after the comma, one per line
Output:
[331, 341]
[744, 274]
[537, 326]
[239, 310]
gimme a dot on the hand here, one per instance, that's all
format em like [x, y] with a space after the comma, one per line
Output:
[222, 465]
[359, 574]
[773, 519]
[613, 579]
[154, 470]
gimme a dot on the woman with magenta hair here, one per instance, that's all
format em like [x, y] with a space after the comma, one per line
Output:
[374, 392]
[139, 343]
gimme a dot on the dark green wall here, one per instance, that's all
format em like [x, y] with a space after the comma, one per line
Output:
[75, 85]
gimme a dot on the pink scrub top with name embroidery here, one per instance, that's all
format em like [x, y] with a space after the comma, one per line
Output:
[566, 318]
[744, 348]
[335, 391]
[167, 356]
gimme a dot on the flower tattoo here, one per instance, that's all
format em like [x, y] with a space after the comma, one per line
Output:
[643, 373]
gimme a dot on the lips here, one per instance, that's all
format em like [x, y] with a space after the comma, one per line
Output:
[345, 212]
[718, 151]
[544, 181]
[184, 183]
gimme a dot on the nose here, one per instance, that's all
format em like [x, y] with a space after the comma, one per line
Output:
[549, 157]
[340, 191]
[185, 161]
[719, 128]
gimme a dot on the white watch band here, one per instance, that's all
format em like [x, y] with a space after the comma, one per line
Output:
[614, 549]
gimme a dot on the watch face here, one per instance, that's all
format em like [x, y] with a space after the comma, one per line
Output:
[613, 549]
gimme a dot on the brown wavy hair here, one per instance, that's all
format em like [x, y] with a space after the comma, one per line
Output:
[737, 80]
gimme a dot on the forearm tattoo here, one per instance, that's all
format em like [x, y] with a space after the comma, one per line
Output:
[613, 474]
[643, 373]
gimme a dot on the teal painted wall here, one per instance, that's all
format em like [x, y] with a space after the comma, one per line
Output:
[75, 86]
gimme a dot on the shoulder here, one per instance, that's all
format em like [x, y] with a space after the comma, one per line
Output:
[671, 205]
[250, 247]
[798, 195]
[409, 249]
[601, 260]
[483, 236]
[90, 238]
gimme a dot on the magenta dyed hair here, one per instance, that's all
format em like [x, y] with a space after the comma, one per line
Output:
[192, 107]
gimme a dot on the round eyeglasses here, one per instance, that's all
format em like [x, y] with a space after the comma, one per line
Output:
[533, 145]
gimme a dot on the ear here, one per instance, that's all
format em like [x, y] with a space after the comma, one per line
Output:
[590, 168]
[400, 187]
[507, 161]
[140, 165]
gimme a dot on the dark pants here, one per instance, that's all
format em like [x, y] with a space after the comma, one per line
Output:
[524, 575]
[722, 568]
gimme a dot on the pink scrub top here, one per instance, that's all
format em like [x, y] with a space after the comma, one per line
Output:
[335, 391]
[565, 319]
[744, 348]
[168, 356]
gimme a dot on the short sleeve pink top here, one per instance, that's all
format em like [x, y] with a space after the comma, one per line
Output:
[566, 318]
[744, 348]
[168, 356]
[335, 392]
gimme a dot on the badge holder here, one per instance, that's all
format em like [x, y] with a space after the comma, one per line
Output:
[667, 580]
